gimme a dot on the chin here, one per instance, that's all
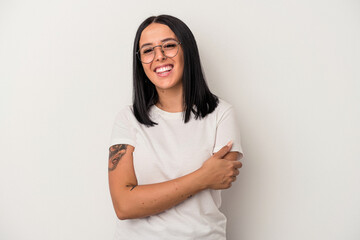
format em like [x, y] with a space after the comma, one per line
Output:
[166, 83]
[163, 86]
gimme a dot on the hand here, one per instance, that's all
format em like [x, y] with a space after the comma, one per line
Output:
[219, 173]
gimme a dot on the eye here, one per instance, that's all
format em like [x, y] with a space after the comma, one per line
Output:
[169, 45]
[146, 51]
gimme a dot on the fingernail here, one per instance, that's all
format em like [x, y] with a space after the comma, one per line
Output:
[229, 143]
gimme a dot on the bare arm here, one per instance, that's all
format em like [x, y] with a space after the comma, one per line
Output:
[133, 201]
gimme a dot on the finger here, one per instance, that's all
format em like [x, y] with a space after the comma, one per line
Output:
[236, 172]
[237, 164]
[232, 156]
[223, 151]
[233, 178]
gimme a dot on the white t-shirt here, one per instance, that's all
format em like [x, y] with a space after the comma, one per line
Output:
[170, 150]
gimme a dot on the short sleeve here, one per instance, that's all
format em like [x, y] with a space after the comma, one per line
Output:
[122, 131]
[226, 130]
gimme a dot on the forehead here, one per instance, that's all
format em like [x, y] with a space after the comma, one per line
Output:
[156, 32]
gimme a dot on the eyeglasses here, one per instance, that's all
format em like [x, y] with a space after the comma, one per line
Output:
[169, 48]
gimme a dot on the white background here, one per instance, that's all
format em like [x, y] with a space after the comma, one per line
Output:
[290, 68]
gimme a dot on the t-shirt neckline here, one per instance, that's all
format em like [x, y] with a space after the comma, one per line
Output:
[172, 115]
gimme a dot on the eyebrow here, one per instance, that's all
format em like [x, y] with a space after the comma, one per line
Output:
[164, 40]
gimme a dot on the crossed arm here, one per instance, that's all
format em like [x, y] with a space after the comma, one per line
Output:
[131, 200]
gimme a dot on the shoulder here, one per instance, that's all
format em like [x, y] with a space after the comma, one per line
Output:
[223, 105]
[223, 108]
[125, 113]
[126, 109]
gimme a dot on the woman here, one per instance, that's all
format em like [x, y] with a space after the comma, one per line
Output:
[164, 178]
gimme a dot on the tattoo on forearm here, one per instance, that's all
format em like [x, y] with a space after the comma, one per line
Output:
[115, 155]
[132, 186]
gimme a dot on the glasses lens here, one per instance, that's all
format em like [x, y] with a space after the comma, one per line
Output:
[146, 54]
[170, 48]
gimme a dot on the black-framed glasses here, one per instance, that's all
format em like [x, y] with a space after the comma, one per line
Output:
[169, 48]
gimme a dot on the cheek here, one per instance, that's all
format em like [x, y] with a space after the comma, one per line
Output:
[181, 60]
[181, 64]
[147, 70]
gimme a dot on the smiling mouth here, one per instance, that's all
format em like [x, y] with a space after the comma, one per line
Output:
[164, 69]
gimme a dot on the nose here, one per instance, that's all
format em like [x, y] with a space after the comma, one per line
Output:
[159, 54]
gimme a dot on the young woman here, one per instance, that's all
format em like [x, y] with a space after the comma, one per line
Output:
[176, 147]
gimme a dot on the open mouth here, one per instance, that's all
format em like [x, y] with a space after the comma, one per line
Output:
[163, 70]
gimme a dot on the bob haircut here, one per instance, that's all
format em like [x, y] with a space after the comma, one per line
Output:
[195, 90]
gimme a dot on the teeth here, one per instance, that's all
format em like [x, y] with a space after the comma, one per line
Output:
[164, 69]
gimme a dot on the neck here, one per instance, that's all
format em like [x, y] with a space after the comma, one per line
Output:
[171, 100]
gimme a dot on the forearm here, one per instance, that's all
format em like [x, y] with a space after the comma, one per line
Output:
[133, 201]
[145, 200]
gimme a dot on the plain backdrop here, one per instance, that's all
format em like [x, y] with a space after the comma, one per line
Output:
[290, 69]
